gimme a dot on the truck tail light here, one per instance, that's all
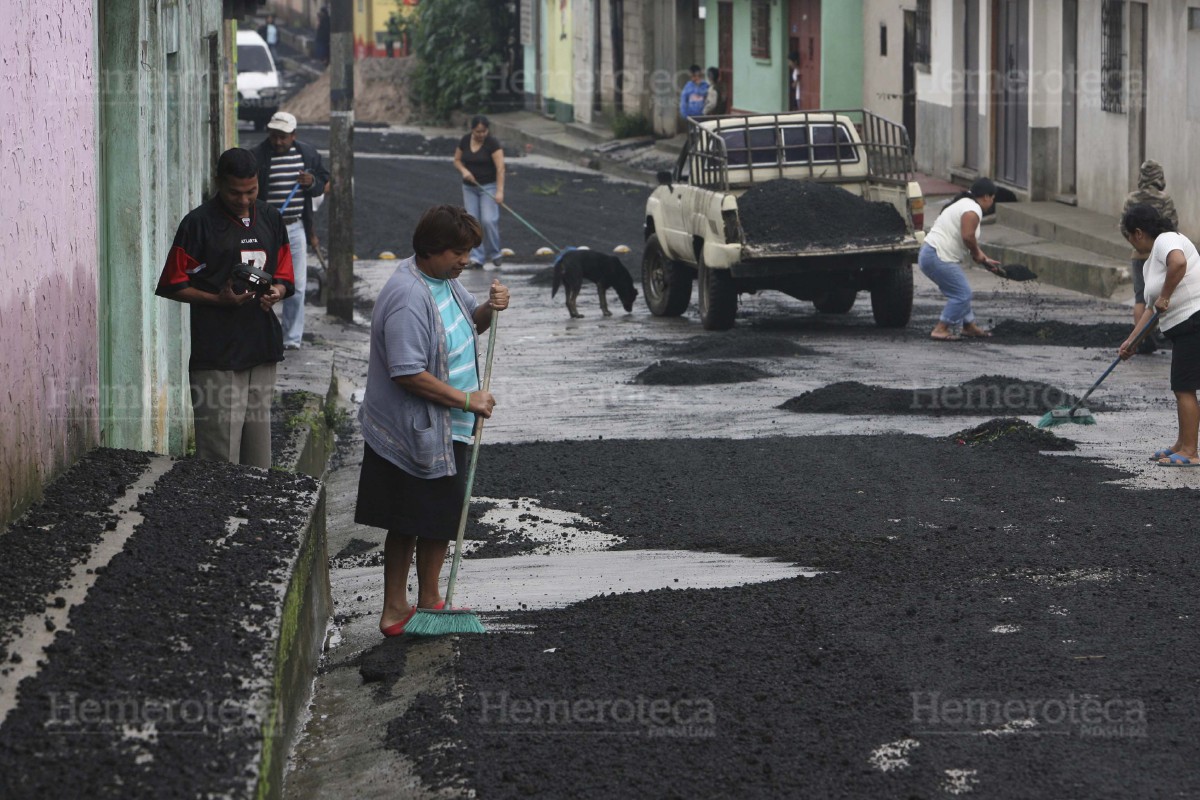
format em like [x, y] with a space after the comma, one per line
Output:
[916, 210]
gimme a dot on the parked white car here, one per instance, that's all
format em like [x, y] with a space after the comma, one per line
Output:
[257, 80]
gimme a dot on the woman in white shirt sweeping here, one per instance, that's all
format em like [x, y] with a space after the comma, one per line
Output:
[1172, 272]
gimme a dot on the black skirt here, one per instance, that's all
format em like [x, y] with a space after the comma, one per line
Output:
[392, 499]
[1185, 360]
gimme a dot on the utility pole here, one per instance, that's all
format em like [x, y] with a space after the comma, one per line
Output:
[341, 160]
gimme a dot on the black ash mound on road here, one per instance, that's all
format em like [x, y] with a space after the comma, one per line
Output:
[1014, 433]
[738, 345]
[984, 395]
[815, 215]
[683, 373]
[1067, 334]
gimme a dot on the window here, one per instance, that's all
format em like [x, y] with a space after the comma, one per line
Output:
[921, 56]
[760, 29]
[883, 41]
[830, 144]
[1112, 55]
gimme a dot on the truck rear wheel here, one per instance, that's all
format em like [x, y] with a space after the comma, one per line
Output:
[892, 297]
[718, 298]
[836, 301]
[666, 284]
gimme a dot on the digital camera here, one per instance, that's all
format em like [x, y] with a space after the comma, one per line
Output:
[249, 278]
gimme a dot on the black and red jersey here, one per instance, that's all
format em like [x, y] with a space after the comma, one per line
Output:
[210, 242]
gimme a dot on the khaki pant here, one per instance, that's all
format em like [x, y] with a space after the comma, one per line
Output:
[233, 414]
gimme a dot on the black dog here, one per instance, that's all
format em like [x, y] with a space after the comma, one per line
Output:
[604, 270]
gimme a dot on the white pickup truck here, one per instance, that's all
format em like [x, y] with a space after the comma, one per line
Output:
[694, 231]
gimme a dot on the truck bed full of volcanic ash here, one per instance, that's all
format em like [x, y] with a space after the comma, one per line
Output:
[815, 216]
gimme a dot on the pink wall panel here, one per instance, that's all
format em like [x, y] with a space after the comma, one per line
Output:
[49, 367]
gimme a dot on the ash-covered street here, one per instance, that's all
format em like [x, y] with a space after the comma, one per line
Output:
[701, 581]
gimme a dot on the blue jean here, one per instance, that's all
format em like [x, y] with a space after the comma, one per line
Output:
[484, 209]
[293, 307]
[952, 281]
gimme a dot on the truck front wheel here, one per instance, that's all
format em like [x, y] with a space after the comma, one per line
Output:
[718, 298]
[892, 297]
[666, 284]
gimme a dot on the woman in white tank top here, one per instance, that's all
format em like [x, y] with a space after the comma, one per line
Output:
[953, 237]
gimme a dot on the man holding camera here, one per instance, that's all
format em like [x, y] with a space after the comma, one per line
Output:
[290, 176]
[232, 263]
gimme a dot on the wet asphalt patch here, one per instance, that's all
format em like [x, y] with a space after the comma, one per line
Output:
[987, 394]
[159, 687]
[700, 373]
[737, 344]
[39, 550]
[1108, 335]
[988, 582]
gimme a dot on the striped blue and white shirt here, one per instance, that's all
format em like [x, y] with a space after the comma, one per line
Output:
[460, 353]
[284, 171]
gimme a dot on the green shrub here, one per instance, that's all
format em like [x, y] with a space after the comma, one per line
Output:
[460, 47]
[626, 126]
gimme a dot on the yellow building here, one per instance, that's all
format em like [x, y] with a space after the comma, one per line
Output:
[371, 37]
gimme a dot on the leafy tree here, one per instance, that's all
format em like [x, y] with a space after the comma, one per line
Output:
[461, 48]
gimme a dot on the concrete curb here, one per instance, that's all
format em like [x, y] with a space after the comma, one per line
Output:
[567, 148]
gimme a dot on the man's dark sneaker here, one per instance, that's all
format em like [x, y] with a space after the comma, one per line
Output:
[496, 263]
[475, 265]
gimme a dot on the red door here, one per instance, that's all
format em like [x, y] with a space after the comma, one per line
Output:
[725, 50]
[804, 37]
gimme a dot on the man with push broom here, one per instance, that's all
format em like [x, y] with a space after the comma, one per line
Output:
[422, 416]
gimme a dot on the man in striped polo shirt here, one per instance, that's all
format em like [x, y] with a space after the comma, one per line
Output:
[290, 175]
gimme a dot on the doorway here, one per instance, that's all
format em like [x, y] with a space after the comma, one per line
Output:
[804, 38]
[971, 85]
[1069, 109]
[617, 35]
[1011, 96]
[1137, 89]
[725, 50]
[909, 80]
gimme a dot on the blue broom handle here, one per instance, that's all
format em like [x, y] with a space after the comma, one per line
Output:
[1145, 329]
[478, 435]
[291, 194]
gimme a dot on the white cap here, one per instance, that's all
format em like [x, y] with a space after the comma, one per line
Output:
[283, 122]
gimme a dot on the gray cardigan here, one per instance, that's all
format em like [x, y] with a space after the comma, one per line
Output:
[407, 338]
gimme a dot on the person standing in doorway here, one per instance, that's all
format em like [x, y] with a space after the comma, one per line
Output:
[954, 236]
[794, 80]
[695, 92]
[284, 164]
[236, 339]
[479, 158]
[321, 46]
[1151, 191]
[716, 102]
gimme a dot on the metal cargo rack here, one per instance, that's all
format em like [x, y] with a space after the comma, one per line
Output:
[883, 145]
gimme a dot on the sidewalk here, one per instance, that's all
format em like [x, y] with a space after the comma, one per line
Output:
[1076, 250]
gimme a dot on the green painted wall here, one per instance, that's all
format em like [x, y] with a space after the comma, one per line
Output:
[156, 140]
[842, 54]
[758, 84]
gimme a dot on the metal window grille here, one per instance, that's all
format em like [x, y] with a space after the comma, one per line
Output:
[921, 56]
[760, 29]
[1112, 55]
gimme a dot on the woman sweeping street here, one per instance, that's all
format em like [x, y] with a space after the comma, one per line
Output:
[1172, 273]
[419, 407]
[479, 158]
[954, 236]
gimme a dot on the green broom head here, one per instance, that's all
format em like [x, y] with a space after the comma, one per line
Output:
[440, 622]
[1064, 416]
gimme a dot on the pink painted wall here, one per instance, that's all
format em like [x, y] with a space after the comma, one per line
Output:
[49, 352]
